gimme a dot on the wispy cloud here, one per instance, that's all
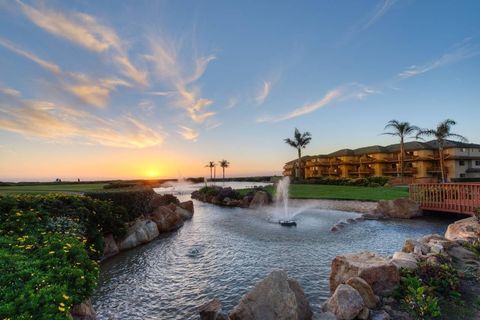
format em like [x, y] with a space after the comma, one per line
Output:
[382, 8]
[232, 102]
[43, 63]
[462, 51]
[146, 105]
[84, 30]
[9, 92]
[263, 92]
[49, 121]
[188, 133]
[344, 92]
[171, 72]
[90, 91]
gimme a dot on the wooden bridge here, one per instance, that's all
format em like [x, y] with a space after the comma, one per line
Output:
[448, 197]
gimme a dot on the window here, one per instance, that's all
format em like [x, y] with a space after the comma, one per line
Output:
[477, 163]
[461, 163]
[462, 175]
[463, 150]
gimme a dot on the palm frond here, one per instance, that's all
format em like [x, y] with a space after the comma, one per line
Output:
[457, 137]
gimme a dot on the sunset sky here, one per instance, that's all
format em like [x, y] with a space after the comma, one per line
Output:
[133, 89]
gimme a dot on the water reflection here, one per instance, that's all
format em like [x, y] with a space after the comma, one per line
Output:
[223, 252]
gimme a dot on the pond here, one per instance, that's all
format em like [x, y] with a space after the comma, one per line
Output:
[223, 252]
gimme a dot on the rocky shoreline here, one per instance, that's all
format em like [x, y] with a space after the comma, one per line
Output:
[166, 214]
[362, 284]
[228, 197]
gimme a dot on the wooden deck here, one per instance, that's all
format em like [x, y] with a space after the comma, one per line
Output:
[447, 197]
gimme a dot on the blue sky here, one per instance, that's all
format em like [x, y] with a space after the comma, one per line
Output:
[102, 89]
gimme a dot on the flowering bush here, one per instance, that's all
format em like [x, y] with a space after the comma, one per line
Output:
[49, 250]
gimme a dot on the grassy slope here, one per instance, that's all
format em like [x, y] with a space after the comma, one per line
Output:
[312, 191]
[74, 187]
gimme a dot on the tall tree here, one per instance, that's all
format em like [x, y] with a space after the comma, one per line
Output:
[299, 142]
[224, 164]
[441, 133]
[402, 130]
[211, 165]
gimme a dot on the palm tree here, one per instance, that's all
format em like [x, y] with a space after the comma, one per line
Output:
[401, 130]
[211, 165]
[441, 133]
[224, 164]
[299, 142]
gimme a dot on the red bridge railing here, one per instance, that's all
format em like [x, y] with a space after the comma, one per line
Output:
[450, 197]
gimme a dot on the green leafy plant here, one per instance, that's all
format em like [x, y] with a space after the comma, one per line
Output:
[423, 289]
[49, 251]
[421, 303]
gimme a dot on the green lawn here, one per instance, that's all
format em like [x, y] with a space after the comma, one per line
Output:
[46, 188]
[317, 191]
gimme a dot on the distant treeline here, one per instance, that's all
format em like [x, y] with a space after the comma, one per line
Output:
[109, 183]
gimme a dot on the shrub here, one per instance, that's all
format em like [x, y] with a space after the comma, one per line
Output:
[422, 289]
[45, 263]
[361, 182]
[477, 214]
[421, 304]
[135, 201]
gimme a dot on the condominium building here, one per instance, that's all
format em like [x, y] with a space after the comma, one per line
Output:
[421, 162]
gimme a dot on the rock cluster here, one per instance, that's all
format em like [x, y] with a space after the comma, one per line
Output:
[228, 197]
[167, 214]
[362, 283]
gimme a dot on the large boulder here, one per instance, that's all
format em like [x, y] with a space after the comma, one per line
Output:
[187, 205]
[346, 303]
[142, 231]
[83, 311]
[166, 219]
[211, 310]
[110, 247]
[398, 208]
[382, 275]
[404, 260]
[369, 298]
[464, 230]
[184, 213]
[260, 199]
[274, 298]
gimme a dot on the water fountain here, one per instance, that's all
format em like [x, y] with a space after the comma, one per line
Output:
[281, 199]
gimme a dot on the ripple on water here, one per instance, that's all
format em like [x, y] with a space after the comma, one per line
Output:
[223, 252]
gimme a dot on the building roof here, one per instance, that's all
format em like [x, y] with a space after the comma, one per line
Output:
[409, 146]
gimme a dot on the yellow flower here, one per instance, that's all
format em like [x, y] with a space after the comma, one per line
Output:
[62, 304]
[61, 309]
[65, 297]
[51, 252]
[18, 214]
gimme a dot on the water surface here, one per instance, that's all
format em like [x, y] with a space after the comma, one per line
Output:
[223, 252]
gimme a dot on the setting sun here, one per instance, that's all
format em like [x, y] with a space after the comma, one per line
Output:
[152, 172]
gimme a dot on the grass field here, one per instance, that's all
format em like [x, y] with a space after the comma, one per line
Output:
[316, 191]
[46, 188]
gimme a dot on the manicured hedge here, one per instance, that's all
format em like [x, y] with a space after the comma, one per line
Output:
[136, 200]
[49, 250]
[361, 182]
